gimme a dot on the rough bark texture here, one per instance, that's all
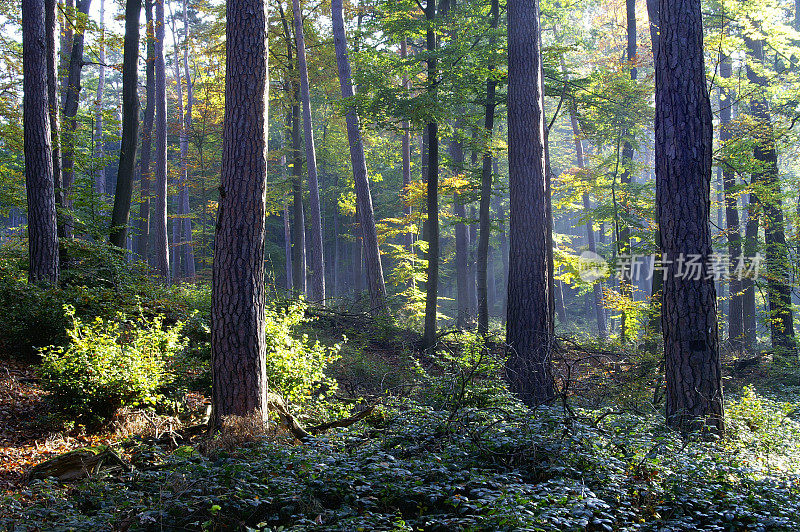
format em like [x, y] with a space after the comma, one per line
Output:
[130, 126]
[684, 142]
[39, 186]
[161, 243]
[239, 373]
[529, 366]
[768, 200]
[735, 314]
[482, 252]
[69, 108]
[143, 233]
[377, 288]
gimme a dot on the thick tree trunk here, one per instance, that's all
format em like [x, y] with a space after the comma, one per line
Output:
[771, 208]
[529, 365]
[735, 313]
[130, 126]
[99, 151]
[39, 186]
[684, 145]
[484, 215]
[69, 108]
[377, 288]
[317, 260]
[161, 244]
[143, 233]
[238, 342]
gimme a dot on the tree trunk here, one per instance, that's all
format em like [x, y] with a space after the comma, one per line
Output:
[143, 233]
[51, 16]
[39, 186]
[238, 294]
[432, 232]
[99, 151]
[71, 96]
[767, 180]
[299, 257]
[317, 260]
[735, 313]
[130, 126]
[624, 242]
[186, 237]
[528, 368]
[177, 248]
[377, 288]
[161, 249]
[484, 215]
[684, 144]
[462, 238]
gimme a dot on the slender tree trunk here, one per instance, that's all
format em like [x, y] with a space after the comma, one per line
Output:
[462, 238]
[238, 342]
[684, 145]
[287, 234]
[51, 17]
[39, 186]
[484, 215]
[528, 329]
[188, 241]
[768, 198]
[735, 312]
[624, 242]
[143, 233]
[177, 248]
[299, 257]
[377, 288]
[99, 151]
[161, 249]
[406, 127]
[130, 126]
[72, 90]
[317, 260]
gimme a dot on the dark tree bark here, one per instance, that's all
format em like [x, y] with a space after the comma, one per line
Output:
[684, 142]
[161, 244]
[52, 98]
[317, 260]
[238, 294]
[143, 233]
[482, 253]
[529, 365]
[432, 225]
[130, 125]
[377, 288]
[768, 202]
[71, 96]
[39, 185]
[735, 312]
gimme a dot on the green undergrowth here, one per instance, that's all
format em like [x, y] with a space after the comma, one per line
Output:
[414, 467]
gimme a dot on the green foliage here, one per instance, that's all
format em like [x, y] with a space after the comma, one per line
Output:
[498, 469]
[295, 363]
[109, 364]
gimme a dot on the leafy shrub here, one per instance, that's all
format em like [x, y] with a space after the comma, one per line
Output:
[295, 363]
[107, 365]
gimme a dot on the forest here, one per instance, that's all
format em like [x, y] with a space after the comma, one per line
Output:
[407, 265]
